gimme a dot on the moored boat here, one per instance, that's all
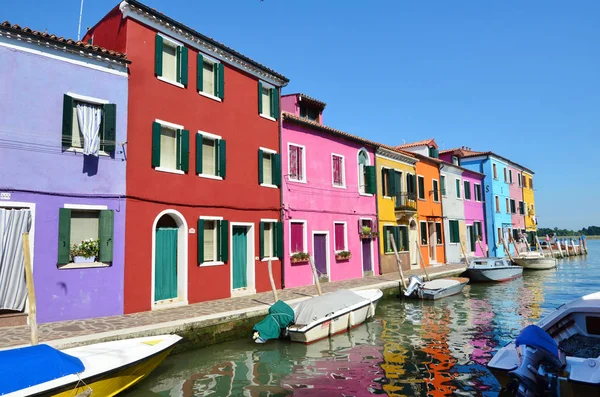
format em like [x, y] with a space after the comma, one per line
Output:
[535, 261]
[560, 355]
[493, 269]
[100, 369]
[435, 289]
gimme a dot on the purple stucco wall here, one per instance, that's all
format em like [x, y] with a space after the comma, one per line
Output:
[474, 210]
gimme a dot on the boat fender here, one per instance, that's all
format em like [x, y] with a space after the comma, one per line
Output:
[371, 312]
[331, 327]
[351, 320]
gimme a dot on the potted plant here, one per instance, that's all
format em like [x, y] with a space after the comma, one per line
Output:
[299, 257]
[343, 255]
[366, 232]
[86, 251]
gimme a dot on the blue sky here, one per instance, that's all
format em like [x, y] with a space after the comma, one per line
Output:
[521, 78]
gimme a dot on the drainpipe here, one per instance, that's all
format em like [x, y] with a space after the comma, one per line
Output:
[377, 211]
[281, 208]
[485, 213]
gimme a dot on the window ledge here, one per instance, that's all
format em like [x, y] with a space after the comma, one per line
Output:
[212, 263]
[208, 176]
[80, 150]
[267, 117]
[422, 199]
[297, 180]
[269, 185]
[267, 259]
[339, 186]
[214, 98]
[169, 170]
[391, 253]
[387, 197]
[365, 194]
[73, 265]
[169, 81]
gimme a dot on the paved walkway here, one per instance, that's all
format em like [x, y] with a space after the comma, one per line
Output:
[80, 332]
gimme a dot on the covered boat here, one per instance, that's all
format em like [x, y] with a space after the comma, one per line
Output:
[435, 289]
[493, 269]
[534, 260]
[318, 317]
[101, 369]
[560, 355]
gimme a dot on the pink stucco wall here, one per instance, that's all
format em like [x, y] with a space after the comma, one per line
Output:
[516, 193]
[474, 211]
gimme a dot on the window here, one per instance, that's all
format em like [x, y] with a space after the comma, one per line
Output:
[385, 182]
[297, 163]
[363, 171]
[497, 204]
[339, 236]
[338, 170]
[309, 112]
[269, 168]
[499, 234]
[400, 236]
[507, 206]
[510, 177]
[443, 184]
[438, 233]
[424, 237]
[171, 61]
[495, 171]
[211, 156]
[513, 209]
[455, 160]
[391, 182]
[436, 191]
[170, 147]
[271, 239]
[268, 100]
[77, 225]
[505, 177]
[531, 183]
[454, 232]
[421, 181]
[478, 230]
[210, 79]
[521, 208]
[411, 186]
[298, 237]
[213, 240]
[477, 189]
[433, 152]
[515, 233]
[467, 186]
[457, 188]
[519, 179]
[89, 124]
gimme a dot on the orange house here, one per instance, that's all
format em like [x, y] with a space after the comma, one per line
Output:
[429, 201]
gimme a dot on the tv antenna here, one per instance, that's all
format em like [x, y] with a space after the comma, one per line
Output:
[79, 26]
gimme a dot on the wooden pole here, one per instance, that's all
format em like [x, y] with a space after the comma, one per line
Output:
[30, 289]
[515, 244]
[422, 261]
[506, 249]
[398, 260]
[483, 252]
[559, 249]
[551, 251]
[464, 252]
[573, 245]
[272, 281]
[538, 245]
[584, 242]
[315, 276]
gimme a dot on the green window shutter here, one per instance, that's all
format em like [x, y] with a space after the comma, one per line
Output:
[182, 65]
[443, 185]
[221, 85]
[198, 154]
[396, 231]
[184, 161]
[200, 241]
[224, 241]
[457, 188]
[260, 166]
[386, 243]
[276, 169]
[178, 149]
[274, 103]
[392, 181]
[199, 72]
[158, 56]
[109, 124]
[259, 97]
[370, 180]
[215, 80]
[155, 144]
[279, 240]
[222, 158]
[262, 240]
[64, 236]
[106, 235]
[397, 183]
[67, 128]
[421, 188]
[405, 239]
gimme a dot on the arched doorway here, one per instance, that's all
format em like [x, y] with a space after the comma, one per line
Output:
[363, 161]
[412, 248]
[169, 271]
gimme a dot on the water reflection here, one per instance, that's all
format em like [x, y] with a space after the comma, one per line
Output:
[413, 348]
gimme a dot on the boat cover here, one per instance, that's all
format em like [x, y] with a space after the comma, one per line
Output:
[29, 366]
[535, 336]
[280, 316]
[320, 306]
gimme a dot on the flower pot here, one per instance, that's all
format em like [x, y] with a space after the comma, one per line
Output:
[83, 259]
[365, 236]
[343, 258]
[299, 260]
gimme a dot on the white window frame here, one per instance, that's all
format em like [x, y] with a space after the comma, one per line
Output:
[213, 137]
[208, 59]
[383, 167]
[271, 152]
[443, 192]
[272, 222]
[478, 200]
[92, 101]
[426, 231]
[435, 223]
[304, 234]
[83, 207]
[419, 190]
[510, 175]
[519, 179]
[343, 171]
[269, 87]
[212, 263]
[458, 194]
[471, 192]
[439, 191]
[361, 188]
[345, 235]
[303, 180]
[497, 204]
[507, 205]
[175, 43]
[174, 127]
[449, 240]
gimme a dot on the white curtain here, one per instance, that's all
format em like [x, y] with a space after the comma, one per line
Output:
[89, 117]
[13, 290]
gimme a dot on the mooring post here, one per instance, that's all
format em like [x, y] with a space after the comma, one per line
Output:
[30, 289]
[398, 260]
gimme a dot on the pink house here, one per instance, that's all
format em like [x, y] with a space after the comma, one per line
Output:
[517, 207]
[475, 212]
[328, 194]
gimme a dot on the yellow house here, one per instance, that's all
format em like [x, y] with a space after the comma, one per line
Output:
[528, 199]
[396, 208]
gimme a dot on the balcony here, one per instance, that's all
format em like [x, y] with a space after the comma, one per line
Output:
[405, 205]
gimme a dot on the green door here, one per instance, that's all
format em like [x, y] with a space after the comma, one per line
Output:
[240, 257]
[165, 264]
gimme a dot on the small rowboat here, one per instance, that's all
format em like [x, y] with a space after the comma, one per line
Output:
[435, 289]
[493, 269]
[101, 369]
[535, 261]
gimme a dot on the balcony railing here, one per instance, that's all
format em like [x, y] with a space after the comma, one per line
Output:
[405, 202]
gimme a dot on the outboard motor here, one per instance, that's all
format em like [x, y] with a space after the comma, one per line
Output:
[414, 283]
[538, 354]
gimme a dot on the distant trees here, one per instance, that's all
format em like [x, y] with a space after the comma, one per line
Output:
[588, 231]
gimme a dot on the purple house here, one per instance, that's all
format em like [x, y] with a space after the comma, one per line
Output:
[63, 135]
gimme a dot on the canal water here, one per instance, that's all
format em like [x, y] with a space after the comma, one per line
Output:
[411, 348]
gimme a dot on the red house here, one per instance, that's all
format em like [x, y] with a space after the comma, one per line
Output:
[203, 165]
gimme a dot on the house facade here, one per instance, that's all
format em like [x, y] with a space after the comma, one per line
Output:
[454, 193]
[328, 190]
[475, 213]
[396, 208]
[67, 179]
[529, 204]
[203, 206]
[517, 204]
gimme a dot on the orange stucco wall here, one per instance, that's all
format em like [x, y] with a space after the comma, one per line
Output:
[429, 210]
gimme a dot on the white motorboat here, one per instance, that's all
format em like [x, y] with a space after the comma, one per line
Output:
[560, 355]
[318, 317]
[534, 260]
[493, 269]
[101, 369]
[435, 289]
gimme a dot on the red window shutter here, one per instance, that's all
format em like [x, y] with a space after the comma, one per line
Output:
[299, 162]
[297, 232]
[339, 237]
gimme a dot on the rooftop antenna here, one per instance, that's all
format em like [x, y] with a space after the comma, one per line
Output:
[79, 26]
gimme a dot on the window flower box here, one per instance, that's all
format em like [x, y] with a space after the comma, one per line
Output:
[83, 259]
[343, 255]
[300, 257]
[86, 252]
